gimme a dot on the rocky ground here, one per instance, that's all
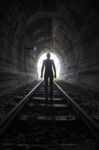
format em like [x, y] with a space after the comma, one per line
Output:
[86, 98]
[8, 101]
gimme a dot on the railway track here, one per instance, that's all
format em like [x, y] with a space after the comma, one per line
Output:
[7, 102]
[35, 123]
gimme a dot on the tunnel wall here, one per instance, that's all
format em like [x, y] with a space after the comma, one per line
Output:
[16, 62]
[82, 62]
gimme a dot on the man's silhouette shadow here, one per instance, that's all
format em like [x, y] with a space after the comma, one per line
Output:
[49, 66]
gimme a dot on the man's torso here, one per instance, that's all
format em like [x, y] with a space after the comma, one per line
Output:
[48, 67]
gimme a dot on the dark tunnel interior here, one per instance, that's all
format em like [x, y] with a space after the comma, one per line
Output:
[46, 113]
[67, 28]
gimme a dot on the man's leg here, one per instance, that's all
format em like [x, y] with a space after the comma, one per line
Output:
[51, 88]
[46, 87]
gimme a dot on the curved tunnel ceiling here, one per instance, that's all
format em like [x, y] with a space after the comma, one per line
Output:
[52, 30]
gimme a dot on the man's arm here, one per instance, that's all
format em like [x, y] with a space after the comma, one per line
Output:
[54, 69]
[42, 70]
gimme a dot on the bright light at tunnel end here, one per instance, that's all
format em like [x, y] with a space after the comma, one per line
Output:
[56, 61]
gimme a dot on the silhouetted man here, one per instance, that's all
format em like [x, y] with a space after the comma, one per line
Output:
[49, 67]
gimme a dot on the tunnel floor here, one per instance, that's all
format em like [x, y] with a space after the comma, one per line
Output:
[44, 123]
[87, 99]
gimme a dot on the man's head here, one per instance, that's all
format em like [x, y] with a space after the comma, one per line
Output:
[48, 55]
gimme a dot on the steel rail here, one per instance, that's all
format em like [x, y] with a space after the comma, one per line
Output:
[9, 117]
[94, 127]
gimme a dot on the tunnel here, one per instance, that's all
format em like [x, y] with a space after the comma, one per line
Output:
[67, 28]
[68, 116]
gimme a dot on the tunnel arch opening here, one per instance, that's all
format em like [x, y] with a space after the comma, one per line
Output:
[56, 61]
